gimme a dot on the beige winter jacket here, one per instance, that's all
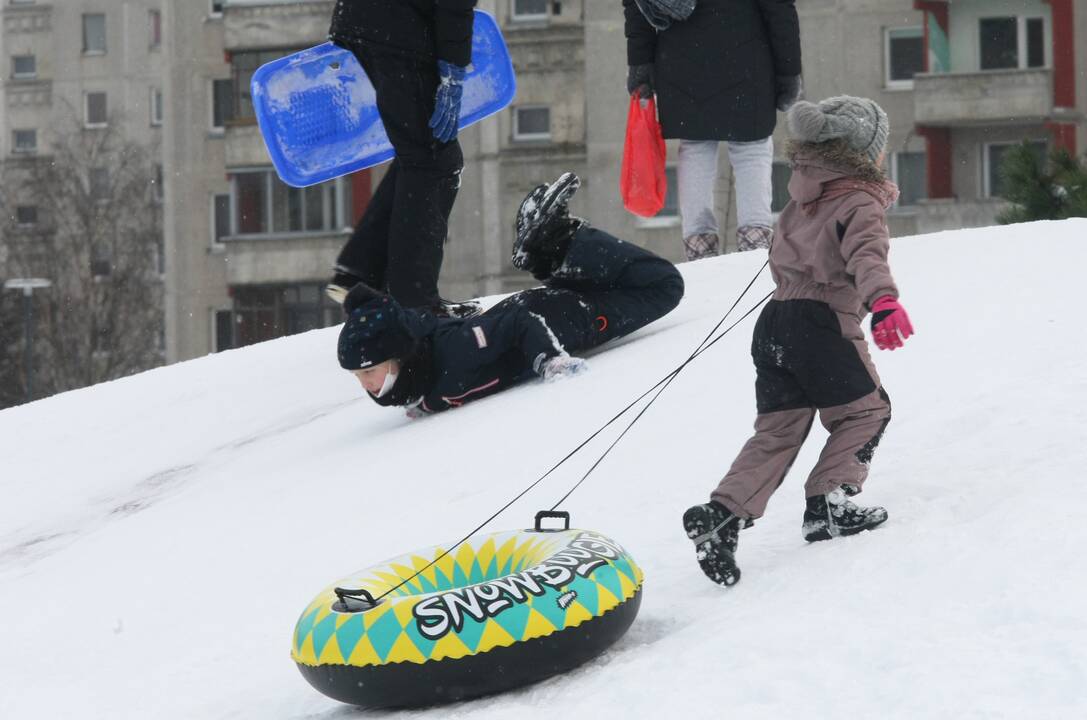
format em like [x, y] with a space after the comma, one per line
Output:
[832, 241]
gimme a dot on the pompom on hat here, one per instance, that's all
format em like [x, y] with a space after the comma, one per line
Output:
[861, 123]
[378, 329]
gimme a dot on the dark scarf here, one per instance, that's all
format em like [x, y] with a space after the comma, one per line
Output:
[414, 380]
[662, 13]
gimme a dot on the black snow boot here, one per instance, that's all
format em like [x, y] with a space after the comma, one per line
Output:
[715, 533]
[340, 285]
[455, 310]
[828, 516]
[545, 228]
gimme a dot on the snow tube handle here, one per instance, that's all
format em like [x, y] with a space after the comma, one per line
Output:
[364, 600]
[558, 514]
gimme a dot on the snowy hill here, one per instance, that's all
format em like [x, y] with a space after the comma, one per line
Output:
[160, 535]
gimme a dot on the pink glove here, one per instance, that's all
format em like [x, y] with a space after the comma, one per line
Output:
[890, 323]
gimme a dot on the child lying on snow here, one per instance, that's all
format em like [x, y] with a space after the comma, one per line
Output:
[596, 288]
[829, 261]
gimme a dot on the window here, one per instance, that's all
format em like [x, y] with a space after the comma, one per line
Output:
[220, 218]
[994, 162]
[94, 34]
[529, 9]
[99, 183]
[216, 8]
[24, 67]
[96, 110]
[222, 103]
[158, 186]
[26, 215]
[909, 170]
[264, 312]
[264, 205]
[156, 106]
[1012, 43]
[154, 29]
[780, 175]
[532, 123]
[224, 330]
[24, 141]
[671, 197]
[243, 65]
[904, 56]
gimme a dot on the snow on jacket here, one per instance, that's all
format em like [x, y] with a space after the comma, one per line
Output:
[439, 29]
[716, 72]
[832, 240]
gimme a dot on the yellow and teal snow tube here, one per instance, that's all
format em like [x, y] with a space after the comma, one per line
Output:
[503, 610]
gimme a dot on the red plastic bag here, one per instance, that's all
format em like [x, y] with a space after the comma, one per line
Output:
[642, 182]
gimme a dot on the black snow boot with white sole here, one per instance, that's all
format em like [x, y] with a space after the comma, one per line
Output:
[545, 228]
[715, 533]
[834, 514]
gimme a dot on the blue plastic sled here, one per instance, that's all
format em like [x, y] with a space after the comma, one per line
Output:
[318, 111]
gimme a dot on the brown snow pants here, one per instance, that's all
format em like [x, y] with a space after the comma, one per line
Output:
[808, 359]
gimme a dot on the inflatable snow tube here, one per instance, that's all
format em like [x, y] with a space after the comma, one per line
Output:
[503, 610]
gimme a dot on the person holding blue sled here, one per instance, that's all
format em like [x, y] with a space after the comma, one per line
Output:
[416, 53]
[596, 288]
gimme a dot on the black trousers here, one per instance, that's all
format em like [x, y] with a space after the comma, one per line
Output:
[397, 245]
[605, 289]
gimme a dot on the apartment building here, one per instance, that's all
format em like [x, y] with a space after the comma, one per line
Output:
[960, 79]
[80, 64]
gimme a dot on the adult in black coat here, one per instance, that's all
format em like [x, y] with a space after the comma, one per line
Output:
[596, 288]
[720, 73]
[415, 52]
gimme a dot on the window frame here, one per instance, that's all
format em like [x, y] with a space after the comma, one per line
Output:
[216, 242]
[16, 75]
[519, 137]
[1022, 39]
[16, 149]
[212, 12]
[87, 110]
[230, 101]
[528, 17]
[890, 83]
[895, 170]
[986, 162]
[336, 222]
[87, 51]
[25, 225]
[157, 103]
[154, 29]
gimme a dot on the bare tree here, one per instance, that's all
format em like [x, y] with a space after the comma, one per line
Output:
[97, 235]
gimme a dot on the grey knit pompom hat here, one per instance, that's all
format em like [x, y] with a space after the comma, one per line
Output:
[860, 122]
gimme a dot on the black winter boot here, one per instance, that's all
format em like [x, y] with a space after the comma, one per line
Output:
[828, 516]
[715, 533]
[456, 310]
[340, 285]
[545, 228]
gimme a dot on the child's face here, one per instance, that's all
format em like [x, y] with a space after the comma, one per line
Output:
[372, 378]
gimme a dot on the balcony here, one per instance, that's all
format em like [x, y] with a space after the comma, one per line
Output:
[276, 24]
[991, 97]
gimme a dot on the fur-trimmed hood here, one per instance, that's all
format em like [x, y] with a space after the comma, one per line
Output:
[817, 164]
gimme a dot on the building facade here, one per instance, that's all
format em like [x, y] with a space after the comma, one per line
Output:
[247, 255]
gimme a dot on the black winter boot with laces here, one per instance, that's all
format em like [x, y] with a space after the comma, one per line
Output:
[834, 514]
[715, 533]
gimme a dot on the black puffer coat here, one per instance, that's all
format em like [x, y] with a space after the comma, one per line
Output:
[439, 29]
[715, 73]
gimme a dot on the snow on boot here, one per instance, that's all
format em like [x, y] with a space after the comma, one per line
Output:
[544, 226]
[715, 533]
[828, 516]
[456, 310]
[340, 285]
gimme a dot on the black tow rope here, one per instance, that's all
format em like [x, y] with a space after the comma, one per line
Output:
[709, 341]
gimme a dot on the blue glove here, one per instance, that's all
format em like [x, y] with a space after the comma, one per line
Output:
[444, 122]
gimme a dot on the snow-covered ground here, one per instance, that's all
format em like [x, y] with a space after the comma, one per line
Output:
[160, 535]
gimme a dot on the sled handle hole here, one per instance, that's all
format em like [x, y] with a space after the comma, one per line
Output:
[353, 601]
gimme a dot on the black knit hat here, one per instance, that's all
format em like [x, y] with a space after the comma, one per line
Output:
[378, 329]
